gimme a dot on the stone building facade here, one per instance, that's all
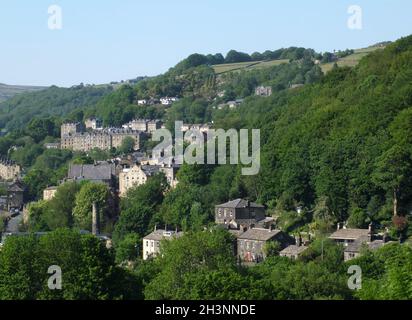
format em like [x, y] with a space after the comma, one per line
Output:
[263, 91]
[74, 137]
[49, 193]
[93, 123]
[152, 242]
[9, 170]
[144, 125]
[239, 213]
[251, 244]
[139, 174]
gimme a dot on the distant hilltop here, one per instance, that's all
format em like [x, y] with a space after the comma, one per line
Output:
[9, 91]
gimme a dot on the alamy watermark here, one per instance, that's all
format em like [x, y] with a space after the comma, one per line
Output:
[355, 21]
[55, 20]
[55, 281]
[212, 140]
[355, 280]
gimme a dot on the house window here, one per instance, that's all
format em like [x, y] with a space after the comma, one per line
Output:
[147, 243]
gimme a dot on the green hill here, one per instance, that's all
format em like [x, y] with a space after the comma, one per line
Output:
[341, 147]
[351, 60]
[230, 67]
[16, 112]
[348, 61]
[9, 91]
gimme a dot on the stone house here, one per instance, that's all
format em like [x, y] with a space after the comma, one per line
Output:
[139, 174]
[15, 193]
[74, 137]
[98, 173]
[239, 213]
[354, 249]
[347, 236]
[9, 170]
[251, 243]
[152, 242]
[49, 193]
[293, 251]
[93, 123]
[263, 91]
[144, 125]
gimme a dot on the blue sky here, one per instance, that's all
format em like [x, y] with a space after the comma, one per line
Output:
[107, 40]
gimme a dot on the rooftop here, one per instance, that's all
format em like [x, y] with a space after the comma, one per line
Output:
[293, 250]
[356, 246]
[239, 203]
[161, 234]
[349, 234]
[92, 172]
[259, 234]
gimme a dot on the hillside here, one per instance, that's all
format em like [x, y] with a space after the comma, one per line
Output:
[341, 147]
[348, 61]
[230, 67]
[351, 60]
[9, 91]
[16, 112]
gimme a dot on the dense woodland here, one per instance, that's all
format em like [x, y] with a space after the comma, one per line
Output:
[340, 147]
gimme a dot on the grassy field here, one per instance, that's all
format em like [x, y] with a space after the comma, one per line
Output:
[230, 67]
[351, 60]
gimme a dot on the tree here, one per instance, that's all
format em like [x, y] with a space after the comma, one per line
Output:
[89, 193]
[392, 170]
[127, 146]
[138, 208]
[60, 208]
[272, 248]
[182, 258]
[88, 268]
[234, 56]
[128, 249]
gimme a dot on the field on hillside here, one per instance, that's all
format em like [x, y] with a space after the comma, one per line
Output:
[230, 67]
[351, 60]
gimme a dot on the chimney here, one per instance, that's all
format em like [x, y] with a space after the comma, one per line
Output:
[95, 220]
[386, 235]
[338, 227]
[370, 232]
[298, 240]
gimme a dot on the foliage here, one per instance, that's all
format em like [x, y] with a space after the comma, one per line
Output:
[88, 269]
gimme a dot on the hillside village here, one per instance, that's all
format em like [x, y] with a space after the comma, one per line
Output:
[253, 231]
[327, 195]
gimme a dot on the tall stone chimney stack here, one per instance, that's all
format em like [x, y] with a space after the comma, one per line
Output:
[95, 220]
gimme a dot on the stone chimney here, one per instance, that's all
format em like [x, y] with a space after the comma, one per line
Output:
[370, 232]
[338, 227]
[95, 220]
[298, 240]
[386, 235]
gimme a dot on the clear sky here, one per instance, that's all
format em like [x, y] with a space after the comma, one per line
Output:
[107, 40]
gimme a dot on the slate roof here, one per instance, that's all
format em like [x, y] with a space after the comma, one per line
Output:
[293, 250]
[101, 172]
[259, 234]
[150, 170]
[349, 234]
[239, 203]
[15, 187]
[160, 234]
[358, 244]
